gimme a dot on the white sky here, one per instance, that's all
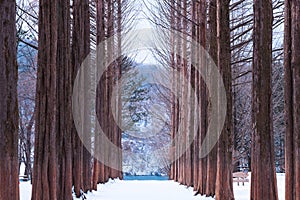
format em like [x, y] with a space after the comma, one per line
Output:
[144, 56]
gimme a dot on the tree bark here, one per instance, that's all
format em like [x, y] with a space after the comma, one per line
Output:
[213, 48]
[45, 158]
[80, 50]
[202, 19]
[9, 188]
[292, 93]
[224, 187]
[263, 177]
[64, 112]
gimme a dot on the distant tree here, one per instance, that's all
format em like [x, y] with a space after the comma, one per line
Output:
[9, 187]
[26, 101]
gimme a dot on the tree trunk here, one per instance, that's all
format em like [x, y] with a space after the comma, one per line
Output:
[224, 187]
[213, 48]
[45, 158]
[9, 188]
[263, 177]
[64, 90]
[194, 113]
[86, 155]
[292, 93]
[80, 50]
[203, 96]
[119, 104]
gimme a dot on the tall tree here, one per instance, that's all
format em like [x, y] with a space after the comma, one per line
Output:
[9, 188]
[64, 90]
[201, 35]
[109, 20]
[45, 157]
[292, 99]
[52, 172]
[213, 48]
[98, 172]
[224, 187]
[80, 50]
[263, 179]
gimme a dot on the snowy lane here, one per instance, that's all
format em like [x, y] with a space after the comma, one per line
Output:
[145, 190]
[153, 190]
[162, 190]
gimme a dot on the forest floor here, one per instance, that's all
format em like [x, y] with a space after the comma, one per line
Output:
[149, 190]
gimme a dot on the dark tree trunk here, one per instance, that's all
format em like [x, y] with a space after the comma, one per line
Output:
[98, 174]
[292, 98]
[44, 184]
[213, 48]
[203, 96]
[224, 187]
[9, 188]
[263, 177]
[52, 172]
[194, 113]
[80, 50]
[64, 90]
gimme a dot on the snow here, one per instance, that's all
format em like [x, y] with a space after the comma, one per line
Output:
[243, 192]
[146, 190]
[25, 190]
[149, 190]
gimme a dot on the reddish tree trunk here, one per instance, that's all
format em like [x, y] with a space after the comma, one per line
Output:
[9, 188]
[203, 97]
[224, 187]
[64, 89]
[212, 157]
[292, 93]
[45, 158]
[263, 177]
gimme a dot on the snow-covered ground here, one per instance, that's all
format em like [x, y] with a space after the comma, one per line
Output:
[25, 190]
[243, 192]
[149, 190]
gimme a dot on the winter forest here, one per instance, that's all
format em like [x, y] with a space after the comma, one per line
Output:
[150, 99]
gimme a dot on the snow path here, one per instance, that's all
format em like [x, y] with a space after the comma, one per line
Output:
[162, 190]
[143, 190]
[153, 190]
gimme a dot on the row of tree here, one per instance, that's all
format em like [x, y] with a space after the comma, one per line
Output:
[61, 160]
[210, 24]
[210, 175]
[68, 32]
